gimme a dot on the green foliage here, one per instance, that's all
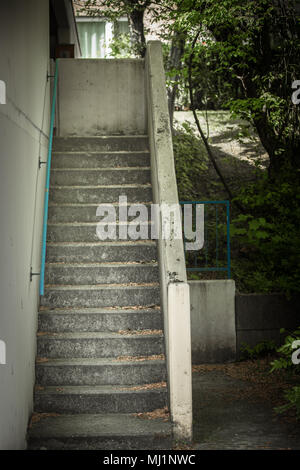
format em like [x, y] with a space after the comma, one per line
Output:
[284, 362]
[262, 349]
[246, 57]
[121, 47]
[190, 161]
[285, 352]
[267, 237]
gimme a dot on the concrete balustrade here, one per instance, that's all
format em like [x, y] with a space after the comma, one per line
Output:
[174, 288]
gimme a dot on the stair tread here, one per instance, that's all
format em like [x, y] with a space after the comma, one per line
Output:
[104, 264]
[100, 335]
[105, 243]
[100, 286]
[99, 152]
[113, 168]
[95, 186]
[89, 310]
[100, 389]
[98, 361]
[89, 425]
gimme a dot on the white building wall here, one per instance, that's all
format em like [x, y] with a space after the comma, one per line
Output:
[24, 61]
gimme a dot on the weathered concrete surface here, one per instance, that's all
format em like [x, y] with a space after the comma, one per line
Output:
[99, 371]
[86, 213]
[224, 423]
[102, 251]
[103, 399]
[213, 321]
[24, 126]
[94, 176]
[98, 344]
[100, 159]
[101, 273]
[100, 194]
[259, 317]
[96, 319]
[171, 253]
[100, 432]
[101, 97]
[110, 295]
[104, 143]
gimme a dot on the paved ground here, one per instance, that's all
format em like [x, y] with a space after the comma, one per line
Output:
[230, 414]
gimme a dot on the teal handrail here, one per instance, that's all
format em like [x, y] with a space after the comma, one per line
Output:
[226, 268]
[46, 199]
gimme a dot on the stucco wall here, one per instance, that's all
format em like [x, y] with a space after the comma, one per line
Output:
[24, 40]
[101, 97]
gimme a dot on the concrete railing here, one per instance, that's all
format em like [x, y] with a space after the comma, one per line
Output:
[175, 298]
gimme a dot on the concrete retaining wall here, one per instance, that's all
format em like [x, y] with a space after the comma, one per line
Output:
[221, 321]
[213, 321]
[259, 317]
[101, 97]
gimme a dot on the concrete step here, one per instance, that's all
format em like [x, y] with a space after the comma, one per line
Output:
[99, 371]
[101, 143]
[103, 176]
[67, 213]
[100, 159]
[87, 231]
[103, 399]
[104, 194]
[76, 345]
[99, 432]
[100, 273]
[143, 250]
[112, 295]
[101, 320]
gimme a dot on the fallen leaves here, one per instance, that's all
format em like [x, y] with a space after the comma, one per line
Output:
[140, 332]
[159, 413]
[36, 417]
[154, 357]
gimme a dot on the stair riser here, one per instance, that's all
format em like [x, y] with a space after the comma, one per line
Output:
[102, 195]
[101, 160]
[98, 177]
[76, 275]
[104, 347]
[101, 297]
[100, 253]
[85, 213]
[122, 402]
[99, 144]
[97, 322]
[107, 374]
[99, 443]
[88, 233]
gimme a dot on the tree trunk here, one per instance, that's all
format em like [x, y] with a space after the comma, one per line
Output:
[136, 25]
[174, 64]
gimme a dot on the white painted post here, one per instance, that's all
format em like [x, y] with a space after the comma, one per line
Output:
[179, 359]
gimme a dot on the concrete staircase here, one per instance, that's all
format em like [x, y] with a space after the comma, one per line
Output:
[100, 346]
